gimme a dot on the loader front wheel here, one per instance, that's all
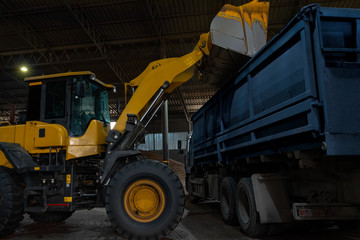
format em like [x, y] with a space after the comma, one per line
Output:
[145, 200]
[11, 203]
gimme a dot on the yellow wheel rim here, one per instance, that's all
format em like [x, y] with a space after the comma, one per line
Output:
[144, 200]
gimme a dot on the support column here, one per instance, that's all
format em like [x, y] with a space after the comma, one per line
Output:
[165, 132]
[12, 114]
[165, 115]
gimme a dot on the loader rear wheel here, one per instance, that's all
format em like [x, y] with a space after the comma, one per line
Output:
[227, 201]
[144, 200]
[248, 217]
[11, 203]
[50, 217]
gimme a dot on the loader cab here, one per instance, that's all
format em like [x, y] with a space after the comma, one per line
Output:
[70, 99]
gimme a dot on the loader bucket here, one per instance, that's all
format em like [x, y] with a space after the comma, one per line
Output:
[241, 29]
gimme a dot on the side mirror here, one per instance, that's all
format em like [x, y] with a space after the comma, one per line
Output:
[80, 89]
[181, 151]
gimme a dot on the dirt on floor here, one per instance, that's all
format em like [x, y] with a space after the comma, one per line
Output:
[177, 167]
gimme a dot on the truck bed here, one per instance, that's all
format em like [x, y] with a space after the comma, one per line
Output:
[300, 92]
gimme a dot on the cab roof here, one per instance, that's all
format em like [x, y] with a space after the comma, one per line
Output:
[67, 74]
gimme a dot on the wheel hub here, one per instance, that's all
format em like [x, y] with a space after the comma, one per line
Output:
[144, 200]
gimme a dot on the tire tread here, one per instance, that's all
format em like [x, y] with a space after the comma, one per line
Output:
[12, 210]
[116, 182]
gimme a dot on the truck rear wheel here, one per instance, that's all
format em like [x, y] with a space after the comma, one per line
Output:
[227, 201]
[248, 217]
[144, 200]
[11, 203]
[50, 217]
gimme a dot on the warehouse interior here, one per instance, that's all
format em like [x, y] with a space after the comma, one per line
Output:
[116, 40]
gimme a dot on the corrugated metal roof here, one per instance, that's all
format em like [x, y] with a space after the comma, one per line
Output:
[45, 34]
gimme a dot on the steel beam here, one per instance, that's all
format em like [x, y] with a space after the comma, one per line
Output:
[119, 42]
[22, 83]
[154, 17]
[61, 57]
[96, 37]
[183, 105]
[27, 33]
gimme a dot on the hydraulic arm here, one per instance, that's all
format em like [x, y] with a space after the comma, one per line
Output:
[241, 30]
[167, 74]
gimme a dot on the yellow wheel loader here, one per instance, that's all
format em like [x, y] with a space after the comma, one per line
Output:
[64, 157]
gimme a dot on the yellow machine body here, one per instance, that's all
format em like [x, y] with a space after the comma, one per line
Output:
[38, 137]
[91, 143]
[56, 137]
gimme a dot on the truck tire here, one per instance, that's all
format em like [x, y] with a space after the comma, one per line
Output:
[144, 200]
[227, 201]
[249, 219]
[50, 217]
[11, 203]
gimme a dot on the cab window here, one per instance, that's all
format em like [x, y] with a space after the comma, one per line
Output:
[55, 100]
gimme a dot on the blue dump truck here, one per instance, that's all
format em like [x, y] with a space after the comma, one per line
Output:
[280, 142]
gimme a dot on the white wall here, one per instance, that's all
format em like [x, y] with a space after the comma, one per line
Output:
[153, 141]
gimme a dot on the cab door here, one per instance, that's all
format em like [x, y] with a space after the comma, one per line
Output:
[55, 102]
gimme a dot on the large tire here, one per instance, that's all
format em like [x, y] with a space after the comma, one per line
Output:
[50, 217]
[227, 201]
[11, 203]
[249, 219]
[144, 200]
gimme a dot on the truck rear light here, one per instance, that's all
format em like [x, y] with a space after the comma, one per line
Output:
[328, 211]
[308, 213]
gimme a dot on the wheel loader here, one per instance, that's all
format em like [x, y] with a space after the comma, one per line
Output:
[64, 157]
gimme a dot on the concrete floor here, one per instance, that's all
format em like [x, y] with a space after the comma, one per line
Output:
[202, 221]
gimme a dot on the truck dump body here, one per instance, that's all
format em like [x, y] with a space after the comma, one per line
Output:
[301, 91]
[280, 141]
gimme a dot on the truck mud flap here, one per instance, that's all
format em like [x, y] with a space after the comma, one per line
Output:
[271, 198]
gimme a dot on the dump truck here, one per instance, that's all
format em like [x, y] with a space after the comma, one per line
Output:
[64, 157]
[279, 143]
